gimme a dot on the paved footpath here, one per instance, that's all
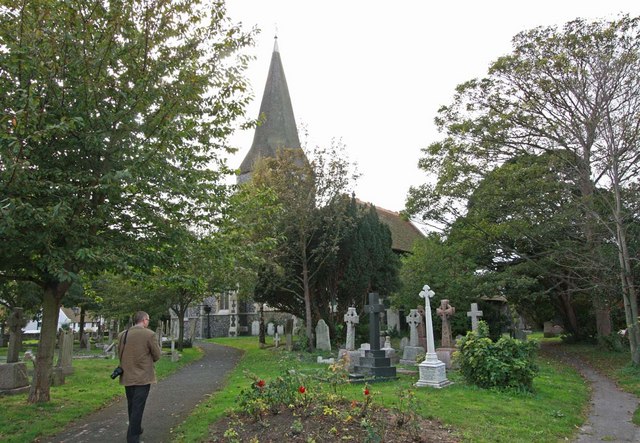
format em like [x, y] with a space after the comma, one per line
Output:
[611, 409]
[170, 402]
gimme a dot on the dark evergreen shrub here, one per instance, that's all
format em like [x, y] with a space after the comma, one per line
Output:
[506, 363]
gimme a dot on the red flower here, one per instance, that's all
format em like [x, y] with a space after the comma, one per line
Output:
[366, 391]
[302, 389]
[260, 383]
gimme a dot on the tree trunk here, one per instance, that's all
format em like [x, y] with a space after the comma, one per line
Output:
[41, 385]
[307, 301]
[629, 295]
[81, 325]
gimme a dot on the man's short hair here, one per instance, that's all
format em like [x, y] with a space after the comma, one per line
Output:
[139, 317]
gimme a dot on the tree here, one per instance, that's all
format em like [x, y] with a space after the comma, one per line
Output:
[114, 116]
[311, 222]
[572, 91]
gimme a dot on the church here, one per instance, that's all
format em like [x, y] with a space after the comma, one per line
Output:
[225, 314]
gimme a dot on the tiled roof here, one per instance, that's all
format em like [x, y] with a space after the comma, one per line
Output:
[403, 232]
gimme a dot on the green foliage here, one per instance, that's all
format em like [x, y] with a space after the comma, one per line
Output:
[507, 363]
[287, 390]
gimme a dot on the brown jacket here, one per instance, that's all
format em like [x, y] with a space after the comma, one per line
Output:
[137, 356]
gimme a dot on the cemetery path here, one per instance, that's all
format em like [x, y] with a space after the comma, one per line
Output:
[611, 409]
[170, 402]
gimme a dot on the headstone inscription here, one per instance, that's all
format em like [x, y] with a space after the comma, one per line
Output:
[323, 342]
[475, 314]
[432, 371]
[375, 363]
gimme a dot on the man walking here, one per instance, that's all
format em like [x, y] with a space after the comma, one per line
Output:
[138, 350]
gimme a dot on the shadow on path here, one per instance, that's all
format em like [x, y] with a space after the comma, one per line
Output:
[611, 409]
[170, 402]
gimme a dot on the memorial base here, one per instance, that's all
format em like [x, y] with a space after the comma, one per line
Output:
[374, 363]
[432, 373]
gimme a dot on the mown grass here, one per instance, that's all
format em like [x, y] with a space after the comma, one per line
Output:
[552, 413]
[89, 388]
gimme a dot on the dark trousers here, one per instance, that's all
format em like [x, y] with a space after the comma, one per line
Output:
[136, 399]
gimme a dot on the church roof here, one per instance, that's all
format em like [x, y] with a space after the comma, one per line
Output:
[403, 232]
[278, 128]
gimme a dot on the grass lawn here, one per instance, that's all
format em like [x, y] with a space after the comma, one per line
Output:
[89, 388]
[552, 413]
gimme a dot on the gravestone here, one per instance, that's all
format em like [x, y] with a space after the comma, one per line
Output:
[446, 349]
[280, 329]
[389, 351]
[192, 329]
[159, 336]
[411, 352]
[323, 342]
[86, 342]
[13, 374]
[65, 355]
[13, 378]
[404, 342]
[288, 334]
[174, 353]
[393, 320]
[271, 329]
[351, 318]
[276, 340]
[432, 371]
[375, 363]
[422, 330]
[255, 328]
[16, 322]
[475, 315]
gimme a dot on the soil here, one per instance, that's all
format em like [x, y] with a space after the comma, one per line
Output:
[343, 422]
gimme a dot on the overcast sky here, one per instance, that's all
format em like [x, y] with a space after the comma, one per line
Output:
[374, 73]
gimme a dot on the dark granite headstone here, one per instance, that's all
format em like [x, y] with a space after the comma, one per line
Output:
[375, 363]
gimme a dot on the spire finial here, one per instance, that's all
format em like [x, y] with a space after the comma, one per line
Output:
[275, 41]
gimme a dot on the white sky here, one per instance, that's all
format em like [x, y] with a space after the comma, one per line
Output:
[374, 73]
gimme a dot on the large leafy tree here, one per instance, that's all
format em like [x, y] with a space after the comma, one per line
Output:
[569, 91]
[311, 222]
[114, 117]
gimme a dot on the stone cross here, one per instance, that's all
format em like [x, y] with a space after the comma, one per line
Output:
[474, 314]
[427, 294]
[413, 320]
[374, 308]
[445, 311]
[351, 318]
[16, 323]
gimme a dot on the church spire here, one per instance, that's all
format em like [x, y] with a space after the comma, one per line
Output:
[278, 129]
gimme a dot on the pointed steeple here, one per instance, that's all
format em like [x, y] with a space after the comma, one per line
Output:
[278, 130]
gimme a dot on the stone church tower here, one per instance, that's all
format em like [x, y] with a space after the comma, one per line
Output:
[277, 129]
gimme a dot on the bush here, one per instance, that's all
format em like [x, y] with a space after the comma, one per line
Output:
[507, 363]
